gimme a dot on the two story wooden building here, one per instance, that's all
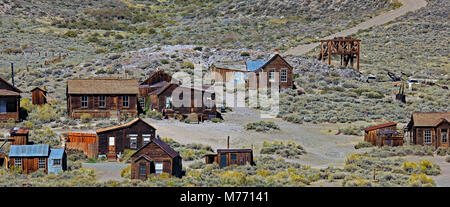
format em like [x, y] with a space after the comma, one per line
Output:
[429, 128]
[9, 102]
[148, 88]
[102, 97]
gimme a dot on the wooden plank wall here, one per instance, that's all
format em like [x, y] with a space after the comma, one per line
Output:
[82, 137]
[90, 150]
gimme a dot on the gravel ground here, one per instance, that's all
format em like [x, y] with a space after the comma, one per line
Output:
[106, 170]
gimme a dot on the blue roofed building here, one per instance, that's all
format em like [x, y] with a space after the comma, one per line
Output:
[30, 158]
[57, 161]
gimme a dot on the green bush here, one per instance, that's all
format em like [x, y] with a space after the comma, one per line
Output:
[70, 33]
[216, 120]
[262, 126]
[288, 150]
[363, 144]
[154, 115]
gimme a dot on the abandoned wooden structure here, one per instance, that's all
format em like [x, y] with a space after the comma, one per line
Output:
[228, 72]
[102, 97]
[31, 158]
[348, 48]
[170, 100]
[429, 128]
[151, 86]
[19, 136]
[154, 158]
[112, 141]
[39, 96]
[276, 64]
[9, 102]
[227, 157]
[383, 134]
[84, 142]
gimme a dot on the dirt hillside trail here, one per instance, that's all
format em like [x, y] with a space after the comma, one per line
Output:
[408, 6]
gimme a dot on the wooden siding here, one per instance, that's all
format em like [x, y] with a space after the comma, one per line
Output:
[82, 137]
[29, 164]
[38, 97]
[372, 137]
[90, 150]
[12, 108]
[277, 65]
[113, 105]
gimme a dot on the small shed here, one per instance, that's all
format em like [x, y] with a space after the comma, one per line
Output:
[19, 136]
[226, 157]
[389, 137]
[57, 161]
[39, 95]
[371, 132]
[154, 158]
[29, 158]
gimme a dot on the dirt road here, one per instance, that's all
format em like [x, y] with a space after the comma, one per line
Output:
[408, 6]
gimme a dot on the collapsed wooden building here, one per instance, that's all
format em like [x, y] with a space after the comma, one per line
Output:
[384, 135]
[9, 102]
[102, 97]
[429, 129]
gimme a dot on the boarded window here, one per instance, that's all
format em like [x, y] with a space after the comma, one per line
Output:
[158, 167]
[133, 141]
[84, 101]
[102, 101]
[284, 75]
[56, 162]
[427, 136]
[125, 101]
[444, 135]
[41, 163]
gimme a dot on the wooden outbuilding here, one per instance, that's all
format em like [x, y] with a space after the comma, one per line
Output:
[112, 141]
[276, 64]
[9, 102]
[102, 97]
[39, 96]
[383, 134]
[31, 158]
[154, 158]
[227, 157]
[429, 128]
[19, 136]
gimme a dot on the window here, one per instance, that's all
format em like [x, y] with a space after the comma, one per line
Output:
[158, 168]
[125, 101]
[2, 106]
[146, 138]
[168, 102]
[102, 101]
[444, 135]
[111, 141]
[56, 162]
[272, 75]
[41, 163]
[142, 102]
[427, 136]
[233, 157]
[84, 101]
[133, 141]
[284, 75]
[18, 162]
[142, 170]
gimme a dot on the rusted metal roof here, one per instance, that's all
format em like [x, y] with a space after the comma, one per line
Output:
[19, 131]
[103, 86]
[380, 126]
[4, 92]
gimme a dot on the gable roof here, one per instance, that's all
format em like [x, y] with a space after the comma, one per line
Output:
[426, 119]
[39, 150]
[56, 153]
[4, 92]
[152, 74]
[39, 88]
[103, 86]
[169, 150]
[123, 125]
[389, 124]
[10, 85]
[256, 65]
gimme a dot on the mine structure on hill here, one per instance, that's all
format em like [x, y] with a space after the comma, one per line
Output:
[347, 47]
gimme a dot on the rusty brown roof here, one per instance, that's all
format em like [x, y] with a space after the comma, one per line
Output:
[425, 119]
[13, 88]
[380, 126]
[123, 126]
[4, 92]
[103, 86]
[169, 150]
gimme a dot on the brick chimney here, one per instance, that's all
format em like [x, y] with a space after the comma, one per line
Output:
[276, 51]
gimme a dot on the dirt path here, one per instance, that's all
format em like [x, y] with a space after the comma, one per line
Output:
[408, 6]
[106, 170]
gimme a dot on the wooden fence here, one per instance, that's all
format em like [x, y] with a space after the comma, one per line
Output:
[82, 137]
[90, 150]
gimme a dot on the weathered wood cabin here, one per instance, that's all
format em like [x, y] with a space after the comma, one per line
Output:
[39, 96]
[154, 158]
[9, 102]
[19, 136]
[112, 141]
[31, 158]
[223, 73]
[150, 86]
[383, 135]
[227, 157]
[276, 64]
[429, 128]
[102, 97]
[201, 102]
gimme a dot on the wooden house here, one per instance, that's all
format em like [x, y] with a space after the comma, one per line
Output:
[154, 158]
[223, 72]
[102, 97]
[39, 96]
[201, 101]
[227, 157]
[429, 128]
[112, 141]
[19, 136]
[31, 158]
[147, 88]
[9, 102]
[383, 134]
[276, 64]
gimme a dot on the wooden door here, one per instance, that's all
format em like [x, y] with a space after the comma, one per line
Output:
[114, 103]
[30, 165]
[223, 160]
[112, 145]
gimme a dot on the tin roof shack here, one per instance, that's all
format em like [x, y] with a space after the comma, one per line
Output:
[171, 101]
[112, 141]
[276, 64]
[31, 158]
[226, 157]
[9, 102]
[154, 158]
[57, 161]
[429, 128]
[371, 133]
[102, 97]
[39, 96]
[389, 137]
[147, 88]
[19, 136]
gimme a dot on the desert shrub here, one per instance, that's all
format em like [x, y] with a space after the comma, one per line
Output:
[70, 33]
[420, 180]
[447, 159]
[262, 126]
[197, 165]
[441, 151]
[75, 155]
[363, 144]
[198, 48]
[216, 120]
[126, 172]
[126, 156]
[44, 136]
[288, 150]
[244, 54]
[188, 65]
[74, 165]
[85, 118]
[351, 130]
[387, 151]
[154, 115]
[192, 151]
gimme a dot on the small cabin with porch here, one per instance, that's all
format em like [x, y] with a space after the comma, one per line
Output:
[9, 102]
[383, 135]
[429, 128]
[102, 97]
[39, 96]
[154, 158]
[31, 158]
[112, 141]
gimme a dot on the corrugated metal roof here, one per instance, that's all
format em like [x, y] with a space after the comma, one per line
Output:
[254, 65]
[56, 153]
[39, 150]
[234, 150]
[390, 124]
